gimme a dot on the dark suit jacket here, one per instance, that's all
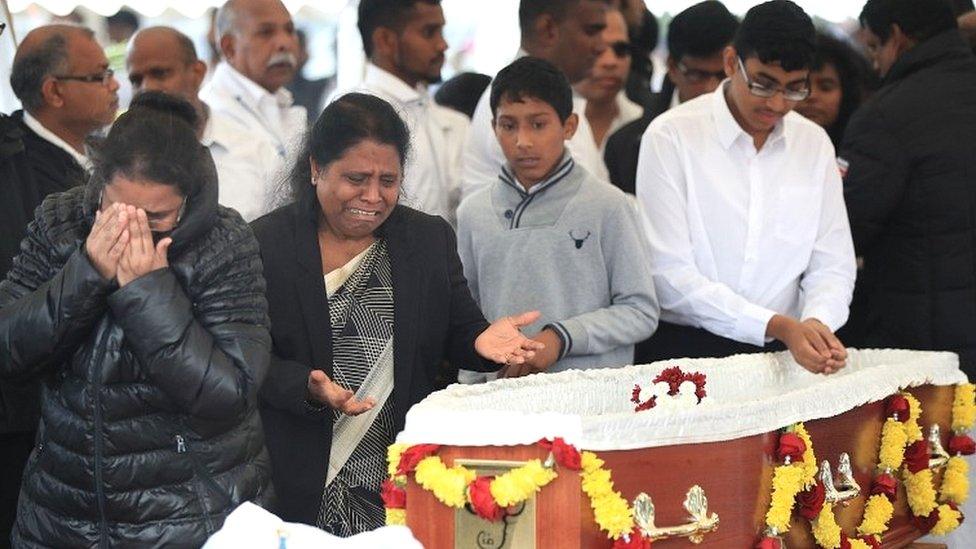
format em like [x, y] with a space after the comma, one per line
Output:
[435, 319]
[30, 169]
[623, 147]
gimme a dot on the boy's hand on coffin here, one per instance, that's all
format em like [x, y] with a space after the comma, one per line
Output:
[805, 342]
[838, 354]
[543, 359]
[504, 343]
[324, 391]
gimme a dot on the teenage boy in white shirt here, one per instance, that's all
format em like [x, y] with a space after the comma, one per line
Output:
[750, 241]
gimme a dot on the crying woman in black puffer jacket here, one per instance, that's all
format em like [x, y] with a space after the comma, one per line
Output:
[140, 303]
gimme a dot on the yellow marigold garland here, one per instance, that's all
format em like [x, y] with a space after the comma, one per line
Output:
[912, 427]
[949, 520]
[449, 485]
[825, 529]
[520, 484]
[611, 511]
[894, 438]
[877, 512]
[787, 483]
[393, 454]
[955, 481]
[396, 517]
[963, 407]
[809, 463]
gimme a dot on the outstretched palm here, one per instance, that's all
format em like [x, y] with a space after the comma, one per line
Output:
[504, 343]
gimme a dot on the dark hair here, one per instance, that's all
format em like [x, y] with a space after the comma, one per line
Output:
[777, 31]
[702, 30]
[390, 14]
[154, 140]
[530, 10]
[918, 19]
[535, 78]
[463, 91]
[125, 18]
[852, 70]
[346, 122]
[32, 66]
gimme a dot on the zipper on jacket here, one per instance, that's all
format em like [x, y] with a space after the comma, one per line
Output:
[99, 486]
[199, 477]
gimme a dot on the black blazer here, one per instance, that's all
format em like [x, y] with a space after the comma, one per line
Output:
[435, 319]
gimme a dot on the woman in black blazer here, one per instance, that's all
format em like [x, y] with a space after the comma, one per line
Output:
[369, 294]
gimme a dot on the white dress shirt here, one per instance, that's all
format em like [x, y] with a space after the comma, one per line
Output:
[242, 163]
[52, 138]
[483, 157]
[270, 121]
[433, 169]
[738, 235]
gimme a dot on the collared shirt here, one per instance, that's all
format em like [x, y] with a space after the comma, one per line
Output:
[242, 179]
[483, 156]
[433, 170]
[627, 112]
[269, 120]
[738, 235]
[49, 136]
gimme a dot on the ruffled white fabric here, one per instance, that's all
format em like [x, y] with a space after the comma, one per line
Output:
[252, 526]
[747, 395]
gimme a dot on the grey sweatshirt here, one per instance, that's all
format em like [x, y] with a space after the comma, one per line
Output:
[571, 248]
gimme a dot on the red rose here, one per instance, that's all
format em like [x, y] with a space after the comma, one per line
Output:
[566, 454]
[393, 496]
[673, 377]
[699, 380]
[790, 446]
[635, 394]
[769, 543]
[413, 455]
[811, 501]
[845, 543]
[917, 456]
[961, 445]
[885, 484]
[925, 524]
[637, 541]
[898, 407]
[872, 541]
[479, 492]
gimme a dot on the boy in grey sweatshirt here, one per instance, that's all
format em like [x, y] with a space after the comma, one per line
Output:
[547, 235]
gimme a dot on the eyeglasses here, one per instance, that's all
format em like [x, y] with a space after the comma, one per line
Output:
[621, 49]
[697, 76]
[764, 91]
[160, 226]
[103, 77]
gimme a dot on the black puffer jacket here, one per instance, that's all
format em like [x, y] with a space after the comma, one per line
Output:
[911, 196]
[149, 433]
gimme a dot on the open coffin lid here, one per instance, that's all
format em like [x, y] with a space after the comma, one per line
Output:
[724, 444]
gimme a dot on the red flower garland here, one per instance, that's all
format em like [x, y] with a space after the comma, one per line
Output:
[414, 455]
[566, 454]
[479, 492]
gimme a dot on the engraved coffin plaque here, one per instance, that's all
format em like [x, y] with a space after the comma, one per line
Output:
[516, 531]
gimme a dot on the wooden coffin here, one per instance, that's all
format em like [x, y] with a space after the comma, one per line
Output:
[735, 474]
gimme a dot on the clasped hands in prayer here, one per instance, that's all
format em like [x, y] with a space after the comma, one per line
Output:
[502, 342]
[811, 343]
[120, 245]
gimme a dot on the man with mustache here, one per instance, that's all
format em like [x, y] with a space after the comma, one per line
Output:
[260, 51]
[404, 42]
[162, 59]
[750, 243]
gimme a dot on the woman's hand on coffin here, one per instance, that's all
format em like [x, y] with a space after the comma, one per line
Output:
[142, 256]
[543, 359]
[504, 343]
[107, 239]
[324, 391]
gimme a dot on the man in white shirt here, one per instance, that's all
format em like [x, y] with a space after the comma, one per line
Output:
[404, 42]
[607, 107]
[568, 34]
[260, 50]
[746, 219]
[164, 59]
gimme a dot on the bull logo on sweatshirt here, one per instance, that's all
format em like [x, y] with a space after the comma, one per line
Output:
[579, 240]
